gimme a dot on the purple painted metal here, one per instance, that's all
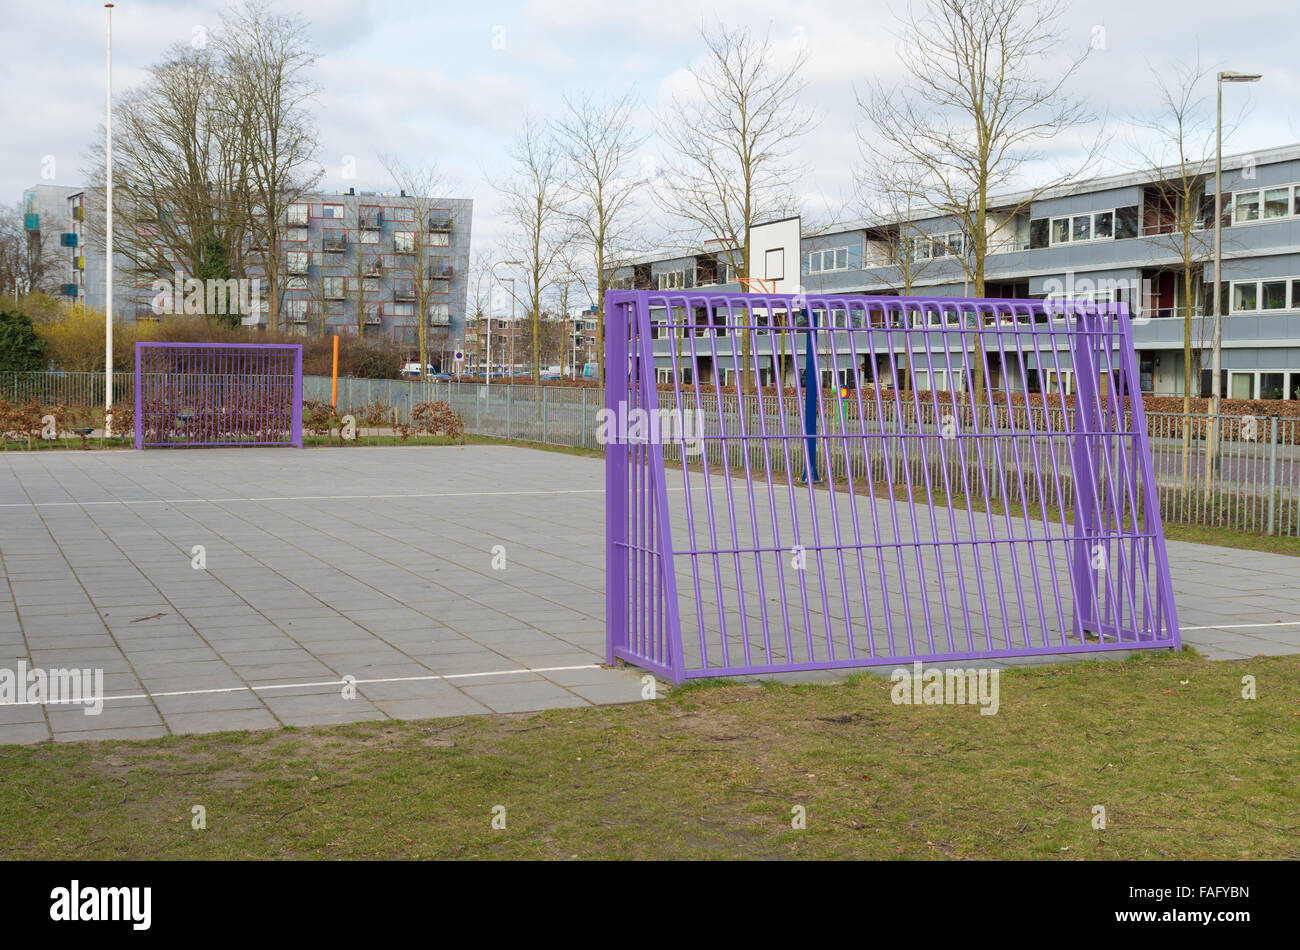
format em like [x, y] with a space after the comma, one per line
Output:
[973, 509]
[218, 394]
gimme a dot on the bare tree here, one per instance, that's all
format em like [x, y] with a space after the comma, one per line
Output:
[887, 193]
[29, 260]
[730, 142]
[985, 87]
[265, 59]
[178, 168]
[536, 199]
[425, 189]
[600, 142]
[1178, 151]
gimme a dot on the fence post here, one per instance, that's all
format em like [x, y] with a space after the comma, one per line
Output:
[510, 402]
[546, 411]
[1272, 473]
[582, 434]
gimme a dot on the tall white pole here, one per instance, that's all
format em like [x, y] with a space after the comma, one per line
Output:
[108, 234]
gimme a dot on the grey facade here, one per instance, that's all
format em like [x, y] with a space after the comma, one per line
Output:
[1108, 239]
[349, 264]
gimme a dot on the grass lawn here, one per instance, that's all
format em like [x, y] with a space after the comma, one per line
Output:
[1185, 767]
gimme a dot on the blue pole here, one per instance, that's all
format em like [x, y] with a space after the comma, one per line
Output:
[810, 396]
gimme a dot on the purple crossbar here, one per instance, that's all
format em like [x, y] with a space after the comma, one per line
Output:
[958, 503]
[218, 394]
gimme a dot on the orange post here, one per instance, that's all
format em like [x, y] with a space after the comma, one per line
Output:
[334, 381]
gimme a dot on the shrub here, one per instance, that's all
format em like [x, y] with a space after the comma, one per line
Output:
[21, 350]
[432, 418]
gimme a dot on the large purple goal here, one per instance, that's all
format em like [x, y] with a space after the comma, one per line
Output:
[804, 482]
[218, 394]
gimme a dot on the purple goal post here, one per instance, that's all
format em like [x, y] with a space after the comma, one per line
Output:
[806, 482]
[218, 394]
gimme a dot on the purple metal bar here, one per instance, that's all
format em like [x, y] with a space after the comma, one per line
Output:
[1024, 543]
[218, 394]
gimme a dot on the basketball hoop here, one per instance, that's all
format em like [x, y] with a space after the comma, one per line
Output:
[758, 285]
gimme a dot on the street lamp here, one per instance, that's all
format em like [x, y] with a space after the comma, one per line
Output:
[108, 232]
[1216, 359]
[492, 274]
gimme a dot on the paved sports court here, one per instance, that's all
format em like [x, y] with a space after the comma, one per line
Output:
[377, 564]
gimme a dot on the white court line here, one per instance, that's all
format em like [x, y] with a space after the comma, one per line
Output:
[218, 501]
[258, 689]
[1245, 626]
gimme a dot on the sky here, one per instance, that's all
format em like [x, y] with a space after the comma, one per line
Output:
[450, 82]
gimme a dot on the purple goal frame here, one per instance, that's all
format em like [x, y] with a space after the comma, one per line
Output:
[913, 557]
[205, 395]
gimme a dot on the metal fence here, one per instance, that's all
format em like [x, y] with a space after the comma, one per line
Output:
[960, 558]
[65, 389]
[1253, 484]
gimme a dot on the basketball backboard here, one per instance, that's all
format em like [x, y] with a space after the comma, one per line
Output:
[774, 255]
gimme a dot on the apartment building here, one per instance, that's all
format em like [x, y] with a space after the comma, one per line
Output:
[1112, 238]
[55, 217]
[569, 342]
[350, 263]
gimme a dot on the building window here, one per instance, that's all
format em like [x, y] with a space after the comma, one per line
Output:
[333, 212]
[403, 309]
[1093, 226]
[333, 288]
[671, 279]
[831, 259]
[438, 239]
[404, 242]
[297, 215]
[1266, 204]
[1275, 293]
[297, 262]
[368, 237]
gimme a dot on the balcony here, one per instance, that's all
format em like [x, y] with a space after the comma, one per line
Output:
[79, 213]
[371, 316]
[69, 290]
[370, 220]
[437, 319]
[440, 223]
[334, 245]
[374, 269]
[79, 262]
[441, 271]
[404, 290]
[297, 266]
[32, 221]
[69, 239]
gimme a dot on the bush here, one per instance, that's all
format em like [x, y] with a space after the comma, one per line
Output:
[431, 418]
[21, 350]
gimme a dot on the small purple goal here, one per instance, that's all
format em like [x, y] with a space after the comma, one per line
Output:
[218, 394]
[810, 482]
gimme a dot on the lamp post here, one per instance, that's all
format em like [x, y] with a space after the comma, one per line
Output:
[1216, 357]
[492, 273]
[108, 232]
